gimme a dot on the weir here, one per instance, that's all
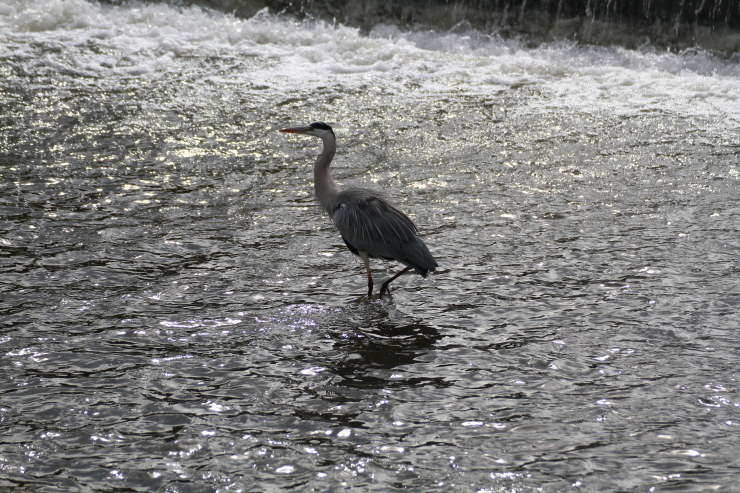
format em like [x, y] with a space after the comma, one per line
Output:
[664, 24]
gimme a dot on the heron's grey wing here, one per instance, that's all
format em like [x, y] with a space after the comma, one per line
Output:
[369, 223]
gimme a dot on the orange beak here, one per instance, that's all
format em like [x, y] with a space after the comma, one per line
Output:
[297, 130]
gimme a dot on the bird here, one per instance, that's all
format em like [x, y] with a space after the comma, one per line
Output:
[370, 225]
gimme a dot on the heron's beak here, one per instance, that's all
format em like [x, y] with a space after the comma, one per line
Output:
[297, 130]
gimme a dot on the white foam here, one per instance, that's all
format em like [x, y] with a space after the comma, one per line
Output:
[139, 40]
[48, 15]
[354, 69]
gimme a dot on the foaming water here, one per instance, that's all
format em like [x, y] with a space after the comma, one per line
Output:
[178, 314]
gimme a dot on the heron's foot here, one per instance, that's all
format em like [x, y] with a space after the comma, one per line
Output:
[384, 286]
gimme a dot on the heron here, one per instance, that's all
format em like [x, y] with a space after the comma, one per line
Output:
[370, 225]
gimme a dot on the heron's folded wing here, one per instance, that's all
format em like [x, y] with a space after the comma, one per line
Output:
[369, 223]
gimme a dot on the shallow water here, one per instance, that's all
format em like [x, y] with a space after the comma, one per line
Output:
[178, 315]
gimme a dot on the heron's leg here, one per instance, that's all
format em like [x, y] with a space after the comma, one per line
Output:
[384, 287]
[366, 258]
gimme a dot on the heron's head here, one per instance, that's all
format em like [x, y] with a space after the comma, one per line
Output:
[318, 129]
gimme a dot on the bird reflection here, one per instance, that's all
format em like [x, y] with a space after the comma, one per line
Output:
[383, 347]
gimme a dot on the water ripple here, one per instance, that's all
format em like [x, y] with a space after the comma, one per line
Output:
[177, 314]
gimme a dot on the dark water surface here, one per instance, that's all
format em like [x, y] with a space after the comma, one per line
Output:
[178, 315]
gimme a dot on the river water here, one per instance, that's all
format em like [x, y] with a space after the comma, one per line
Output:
[179, 316]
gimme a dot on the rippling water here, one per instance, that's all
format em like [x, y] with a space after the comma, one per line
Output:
[178, 315]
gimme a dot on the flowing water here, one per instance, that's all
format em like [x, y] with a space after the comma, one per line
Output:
[179, 316]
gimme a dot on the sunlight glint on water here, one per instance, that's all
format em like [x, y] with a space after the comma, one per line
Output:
[177, 314]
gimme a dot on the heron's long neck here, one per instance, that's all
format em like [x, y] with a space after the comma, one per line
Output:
[324, 187]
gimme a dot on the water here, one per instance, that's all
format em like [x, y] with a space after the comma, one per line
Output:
[668, 24]
[177, 314]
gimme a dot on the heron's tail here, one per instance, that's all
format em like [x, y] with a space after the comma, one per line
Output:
[418, 257]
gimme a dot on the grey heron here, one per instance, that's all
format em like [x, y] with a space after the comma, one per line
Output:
[370, 225]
